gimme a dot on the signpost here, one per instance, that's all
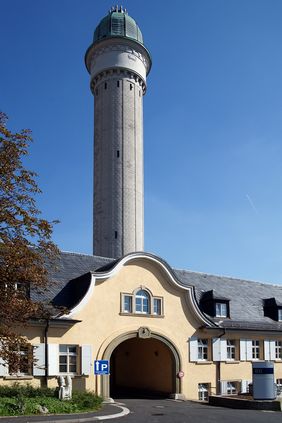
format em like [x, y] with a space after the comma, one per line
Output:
[101, 367]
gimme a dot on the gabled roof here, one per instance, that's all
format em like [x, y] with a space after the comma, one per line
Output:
[71, 280]
[69, 267]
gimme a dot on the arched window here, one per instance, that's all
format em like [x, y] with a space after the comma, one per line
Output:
[142, 302]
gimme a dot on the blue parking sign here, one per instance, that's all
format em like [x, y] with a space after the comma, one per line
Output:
[101, 367]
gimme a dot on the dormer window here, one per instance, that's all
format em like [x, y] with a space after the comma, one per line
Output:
[220, 310]
[273, 309]
[214, 304]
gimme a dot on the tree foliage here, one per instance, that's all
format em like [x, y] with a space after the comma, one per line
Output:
[25, 241]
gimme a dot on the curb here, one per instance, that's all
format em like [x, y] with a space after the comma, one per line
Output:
[48, 419]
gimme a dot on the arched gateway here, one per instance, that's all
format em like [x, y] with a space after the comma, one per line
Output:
[142, 362]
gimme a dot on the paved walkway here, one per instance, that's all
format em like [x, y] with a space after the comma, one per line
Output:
[109, 411]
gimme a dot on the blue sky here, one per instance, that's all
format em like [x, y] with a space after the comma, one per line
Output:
[212, 125]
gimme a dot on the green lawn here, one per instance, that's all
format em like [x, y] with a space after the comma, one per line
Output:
[25, 400]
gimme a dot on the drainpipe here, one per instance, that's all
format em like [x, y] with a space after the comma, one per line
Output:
[218, 369]
[46, 352]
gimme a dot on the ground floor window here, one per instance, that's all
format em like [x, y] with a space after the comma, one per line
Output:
[20, 362]
[231, 388]
[67, 358]
[279, 386]
[203, 391]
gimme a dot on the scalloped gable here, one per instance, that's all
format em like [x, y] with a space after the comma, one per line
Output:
[246, 297]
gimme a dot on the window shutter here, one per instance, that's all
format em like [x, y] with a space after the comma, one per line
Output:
[3, 366]
[216, 349]
[244, 386]
[249, 349]
[266, 344]
[223, 349]
[39, 356]
[223, 387]
[243, 349]
[272, 350]
[86, 359]
[193, 344]
[53, 358]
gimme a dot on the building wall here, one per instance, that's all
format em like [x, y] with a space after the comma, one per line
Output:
[104, 326]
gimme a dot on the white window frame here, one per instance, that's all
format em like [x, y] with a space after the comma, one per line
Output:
[230, 349]
[144, 298]
[131, 299]
[23, 352]
[221, 309]
[127, 299]
[231, 388]
[68, 354]
[157, 306]
[279, 386]
[203, 391]
[279, 314]
[255, 349]
[203, 349]
[278, 350]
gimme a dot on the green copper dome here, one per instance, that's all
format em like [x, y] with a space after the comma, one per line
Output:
[118, 24]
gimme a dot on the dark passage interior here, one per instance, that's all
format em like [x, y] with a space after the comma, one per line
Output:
[142, 368]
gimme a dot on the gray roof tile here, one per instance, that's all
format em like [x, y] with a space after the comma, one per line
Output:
[246, 297]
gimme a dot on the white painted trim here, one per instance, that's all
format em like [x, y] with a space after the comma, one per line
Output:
[102, 276]
[83, 302]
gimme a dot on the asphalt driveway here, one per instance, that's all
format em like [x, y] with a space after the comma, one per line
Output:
[169, 411]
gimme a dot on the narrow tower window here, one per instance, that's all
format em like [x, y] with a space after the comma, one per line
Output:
[117, 83]
[131, 86]
[115, 234]
[105, 85]
[117, 153]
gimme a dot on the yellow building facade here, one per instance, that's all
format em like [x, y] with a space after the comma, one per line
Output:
[151, 323]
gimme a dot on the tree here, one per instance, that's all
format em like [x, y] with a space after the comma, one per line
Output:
[25, 244]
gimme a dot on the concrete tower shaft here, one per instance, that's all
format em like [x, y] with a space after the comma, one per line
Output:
[118, 67]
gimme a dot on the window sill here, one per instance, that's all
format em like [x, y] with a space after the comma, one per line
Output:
[204, 362]
[232, 362]
[277, 360]
[67, 374]
[154, 316]
[18, 377]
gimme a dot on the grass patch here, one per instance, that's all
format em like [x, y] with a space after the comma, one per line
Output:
[19, 400]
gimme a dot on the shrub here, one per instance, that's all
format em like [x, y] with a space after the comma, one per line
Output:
[25, 399]
[25, 390]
